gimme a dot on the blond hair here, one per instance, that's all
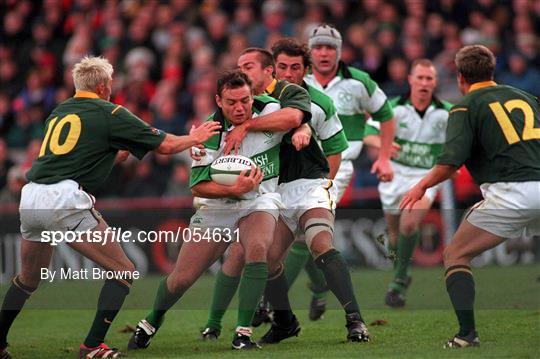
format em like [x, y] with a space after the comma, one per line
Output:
[90, 72]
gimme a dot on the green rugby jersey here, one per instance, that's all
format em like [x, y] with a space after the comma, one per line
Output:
[262, 147]
[420, 135]
[354, 93]
[82, 137]
[310, 162]
[325, 122]
[495, 131]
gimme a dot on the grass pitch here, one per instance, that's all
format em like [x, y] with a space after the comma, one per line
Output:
[57, 318]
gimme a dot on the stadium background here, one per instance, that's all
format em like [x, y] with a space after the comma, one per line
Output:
[166, 56]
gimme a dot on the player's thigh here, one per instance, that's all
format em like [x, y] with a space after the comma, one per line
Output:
[234, 262]
[256, 232]
[468, 242]
[318, 226]
[106, 253]
[343, 178]
[507, 209]
[34, 257]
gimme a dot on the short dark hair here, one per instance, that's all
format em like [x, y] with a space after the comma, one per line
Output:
[475, 63]
[292, 47]
[265, 57]
[422, 62]
[232, 80]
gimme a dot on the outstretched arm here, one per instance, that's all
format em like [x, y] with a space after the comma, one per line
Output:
[438, 174]
[174, 144]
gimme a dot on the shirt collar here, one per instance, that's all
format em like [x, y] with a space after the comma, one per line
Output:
[479, 85]
[85, 94]
[272, 87]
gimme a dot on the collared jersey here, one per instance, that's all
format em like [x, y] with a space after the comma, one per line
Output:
[82, 137]
[354, 93]
[420, 135]
[495, 131]
[261, 147]
[325, 122]
[309, 162]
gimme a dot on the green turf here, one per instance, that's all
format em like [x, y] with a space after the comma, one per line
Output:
[508, 320]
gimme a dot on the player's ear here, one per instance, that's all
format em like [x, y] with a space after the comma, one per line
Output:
[269, 70]
[101, 89]
[218, 101]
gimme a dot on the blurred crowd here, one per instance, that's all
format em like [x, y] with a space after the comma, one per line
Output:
[167, 54]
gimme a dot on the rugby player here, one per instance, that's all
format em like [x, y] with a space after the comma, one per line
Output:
[251, 208]
[304, 174]
[83, 135]
[292, 62]
[354, 94]
[495, 132]
[421, 120]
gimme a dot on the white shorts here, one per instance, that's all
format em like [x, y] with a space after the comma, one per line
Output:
[392, 192]
[61, 206]
[509, 209]
[225, 213]
[304, 194]
[343, 177]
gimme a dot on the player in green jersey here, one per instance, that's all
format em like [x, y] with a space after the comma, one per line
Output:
[328, 130]
[495, 132]
[293, 61]
[309, 197]
[295, 103]
[421, 123]
[246, 208]
[83, 136]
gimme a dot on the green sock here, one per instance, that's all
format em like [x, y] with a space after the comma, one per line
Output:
[392, 253]
[296, 259]
[110, 301]
[163, 302]
[405, 249]
[224, 289]
[251, 289]
[338, 278]
[460, 287]
[318, 283]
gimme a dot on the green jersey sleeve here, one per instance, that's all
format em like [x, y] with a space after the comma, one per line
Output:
[294, 96]
[459, 138]
[200, 170]
[128, 132]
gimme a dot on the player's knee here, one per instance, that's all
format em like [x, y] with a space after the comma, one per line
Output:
[318, 233]
[319, 247]
[409, 228]
[127, 266]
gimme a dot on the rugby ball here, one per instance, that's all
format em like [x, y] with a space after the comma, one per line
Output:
[226, 169]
